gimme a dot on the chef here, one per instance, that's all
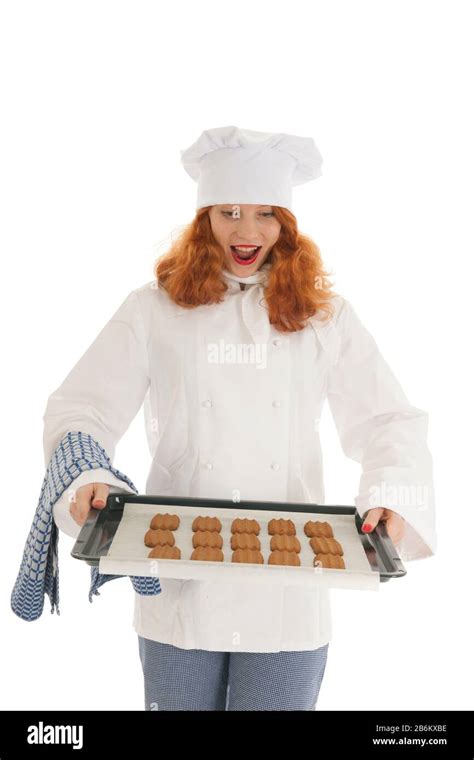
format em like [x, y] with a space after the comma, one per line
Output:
[233, 348]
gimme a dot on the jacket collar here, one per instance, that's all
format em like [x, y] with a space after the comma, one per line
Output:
[260, 277]
[255, 314]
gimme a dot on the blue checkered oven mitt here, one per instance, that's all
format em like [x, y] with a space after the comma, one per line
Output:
[39, 571]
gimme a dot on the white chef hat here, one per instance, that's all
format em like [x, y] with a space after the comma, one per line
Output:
[233, 165]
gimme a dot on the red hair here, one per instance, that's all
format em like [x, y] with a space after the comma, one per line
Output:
[297, 285]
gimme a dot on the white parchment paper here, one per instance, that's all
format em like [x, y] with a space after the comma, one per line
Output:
[128, 554]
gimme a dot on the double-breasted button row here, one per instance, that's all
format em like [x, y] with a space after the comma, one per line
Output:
[207, 403]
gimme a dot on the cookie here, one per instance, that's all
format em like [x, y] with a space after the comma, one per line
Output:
[248, 555]
[325, 546]
[165, 552]
[207, 553]
[207, 538]
[207, 523]
[245, 541]
[320, 529]
[333, 561]
[165, 522]
[281, 527]
[159, 538]
[284, 558]
[244, 525]
[285, 543]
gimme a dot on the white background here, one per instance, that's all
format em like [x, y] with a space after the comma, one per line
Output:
[97, 99]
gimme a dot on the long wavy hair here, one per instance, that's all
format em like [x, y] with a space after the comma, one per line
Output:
[297, 287]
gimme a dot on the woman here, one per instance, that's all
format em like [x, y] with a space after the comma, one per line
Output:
[234, 346]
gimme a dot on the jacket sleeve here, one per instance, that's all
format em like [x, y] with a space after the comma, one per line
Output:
[381, 430]
[105, 389]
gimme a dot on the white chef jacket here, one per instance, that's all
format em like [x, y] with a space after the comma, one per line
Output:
[231, 410]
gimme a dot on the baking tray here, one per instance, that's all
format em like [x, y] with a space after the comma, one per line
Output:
[98, 532]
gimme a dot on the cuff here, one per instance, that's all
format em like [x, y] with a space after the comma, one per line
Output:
[61, 514]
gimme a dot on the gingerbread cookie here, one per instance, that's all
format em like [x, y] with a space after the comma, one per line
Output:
[285, 543]
[208, 553]
[244, 525]
[319, 529]
[159, 538]
[325, 546]
[248, 555]
[281, 527]
[333, 561]
[207, 538]
[284, 558]
[165, 552]
[245, 541]
[165, 522]
[207, 523]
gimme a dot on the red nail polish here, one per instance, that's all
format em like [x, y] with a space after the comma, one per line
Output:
[367, 528]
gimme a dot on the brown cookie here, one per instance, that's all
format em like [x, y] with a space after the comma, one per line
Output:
[207, 523]
[159, 538]
[319, 529]
[207, 538]
[245, 541]
[165, 522]
[284, 558]
[244, 525]
[333, 561]
[248, 555]
[207, 553]
[285, 543]
[281, 527]
[325, 546]
[165, 552]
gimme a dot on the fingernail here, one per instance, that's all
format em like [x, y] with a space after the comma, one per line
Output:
[367, 528]
[99, 501]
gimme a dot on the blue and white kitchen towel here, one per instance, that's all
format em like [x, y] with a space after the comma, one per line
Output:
[39, 571]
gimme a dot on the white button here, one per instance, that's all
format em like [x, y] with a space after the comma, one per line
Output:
[209, 465]
[276, 403]
[277, 342]
[275, 466]
[207, 403]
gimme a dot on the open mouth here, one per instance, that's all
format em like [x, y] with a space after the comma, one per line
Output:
[245, 254]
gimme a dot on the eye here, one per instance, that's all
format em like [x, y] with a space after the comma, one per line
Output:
[266, 214]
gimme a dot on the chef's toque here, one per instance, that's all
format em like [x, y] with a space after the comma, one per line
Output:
[236, 166]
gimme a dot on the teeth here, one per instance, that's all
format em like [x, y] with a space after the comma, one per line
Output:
[245, 250]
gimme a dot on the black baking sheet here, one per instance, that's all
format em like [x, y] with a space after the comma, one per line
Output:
[98, 532]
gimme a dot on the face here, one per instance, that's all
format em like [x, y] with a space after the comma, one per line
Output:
[246, 234]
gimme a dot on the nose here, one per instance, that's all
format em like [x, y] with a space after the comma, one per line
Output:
[246, 229]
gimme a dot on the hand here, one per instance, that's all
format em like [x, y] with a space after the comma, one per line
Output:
[92, 495]
[394, 523]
